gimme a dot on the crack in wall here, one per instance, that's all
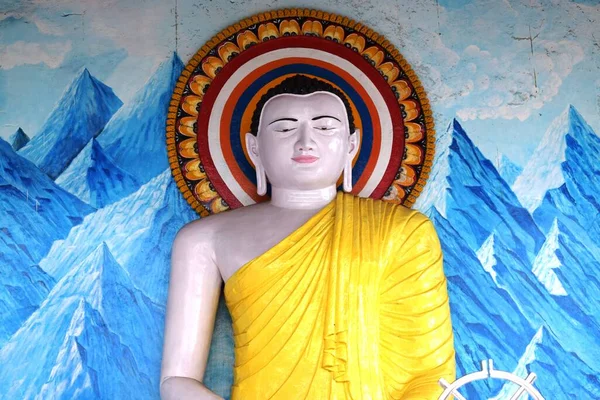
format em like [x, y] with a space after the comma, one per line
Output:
[531, 39]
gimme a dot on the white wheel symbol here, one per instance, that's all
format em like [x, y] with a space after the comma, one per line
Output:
[488, 371]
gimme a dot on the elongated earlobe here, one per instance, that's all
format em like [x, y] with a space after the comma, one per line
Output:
[353, 142]
[348, 175]
[261, 180]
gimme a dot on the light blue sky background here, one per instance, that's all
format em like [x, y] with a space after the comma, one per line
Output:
[474, 58]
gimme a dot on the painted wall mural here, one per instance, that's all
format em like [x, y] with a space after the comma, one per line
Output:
[89, 209]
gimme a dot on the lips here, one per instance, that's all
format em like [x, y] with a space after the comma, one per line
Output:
[305, 159]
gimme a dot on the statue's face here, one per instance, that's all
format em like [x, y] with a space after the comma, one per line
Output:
[303, 141]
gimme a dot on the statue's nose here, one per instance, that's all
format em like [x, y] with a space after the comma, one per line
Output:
[305, 141]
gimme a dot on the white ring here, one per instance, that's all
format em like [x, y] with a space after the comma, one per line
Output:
[245, 69]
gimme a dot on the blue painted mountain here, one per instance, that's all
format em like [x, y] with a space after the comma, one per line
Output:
[561, 374]
[138, 229]
[22, 289]
[56, 211]
[467, 190]
[126, 310]
[508, 170]
[94, 178]
[574, 263]
[572, 322]
[486, 320]
[80, 114]
[94, 333]
[93, 364]
[474, 198]
[495, 306]
[34, 213]
[562, 178]
[135, 137]
[18, 139]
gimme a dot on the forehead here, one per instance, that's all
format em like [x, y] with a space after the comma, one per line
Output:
[296, 105]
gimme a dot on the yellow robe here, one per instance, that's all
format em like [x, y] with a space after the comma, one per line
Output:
[352, 305]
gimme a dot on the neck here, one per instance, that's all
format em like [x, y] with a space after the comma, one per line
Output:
[302, 199]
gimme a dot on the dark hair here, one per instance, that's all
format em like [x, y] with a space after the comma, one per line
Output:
[300, 84]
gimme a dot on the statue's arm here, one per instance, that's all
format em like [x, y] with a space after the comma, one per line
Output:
[194, 289]
[421, 328]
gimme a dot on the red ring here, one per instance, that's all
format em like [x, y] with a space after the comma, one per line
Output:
[306, 42]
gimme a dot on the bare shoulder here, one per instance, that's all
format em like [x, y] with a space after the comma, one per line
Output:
[195, 240]
[204, 232]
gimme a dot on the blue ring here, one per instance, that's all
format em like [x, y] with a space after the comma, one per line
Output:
[250, 92]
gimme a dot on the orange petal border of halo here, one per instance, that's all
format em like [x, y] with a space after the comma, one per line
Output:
[174, 104]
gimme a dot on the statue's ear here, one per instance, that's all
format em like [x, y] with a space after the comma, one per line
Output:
[252, 147]
[353, 146]
[354, 143]
[253, 153]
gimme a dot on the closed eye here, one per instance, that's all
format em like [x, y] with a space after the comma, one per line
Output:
[284, 130]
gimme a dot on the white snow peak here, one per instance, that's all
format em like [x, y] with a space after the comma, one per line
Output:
[543, 170]
[547, 260]
[487, 257]
[521, 370]
[434, 193]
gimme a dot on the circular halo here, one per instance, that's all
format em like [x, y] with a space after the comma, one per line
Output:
[215, 97]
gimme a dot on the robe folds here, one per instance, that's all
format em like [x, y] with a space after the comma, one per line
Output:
[352, 305]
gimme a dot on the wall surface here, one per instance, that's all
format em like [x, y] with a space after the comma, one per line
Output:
[88, 208]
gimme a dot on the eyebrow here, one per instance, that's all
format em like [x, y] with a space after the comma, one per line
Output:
[325, 116]
[284, 119]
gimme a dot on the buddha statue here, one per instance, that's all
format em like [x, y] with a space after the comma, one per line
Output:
[332, 296]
